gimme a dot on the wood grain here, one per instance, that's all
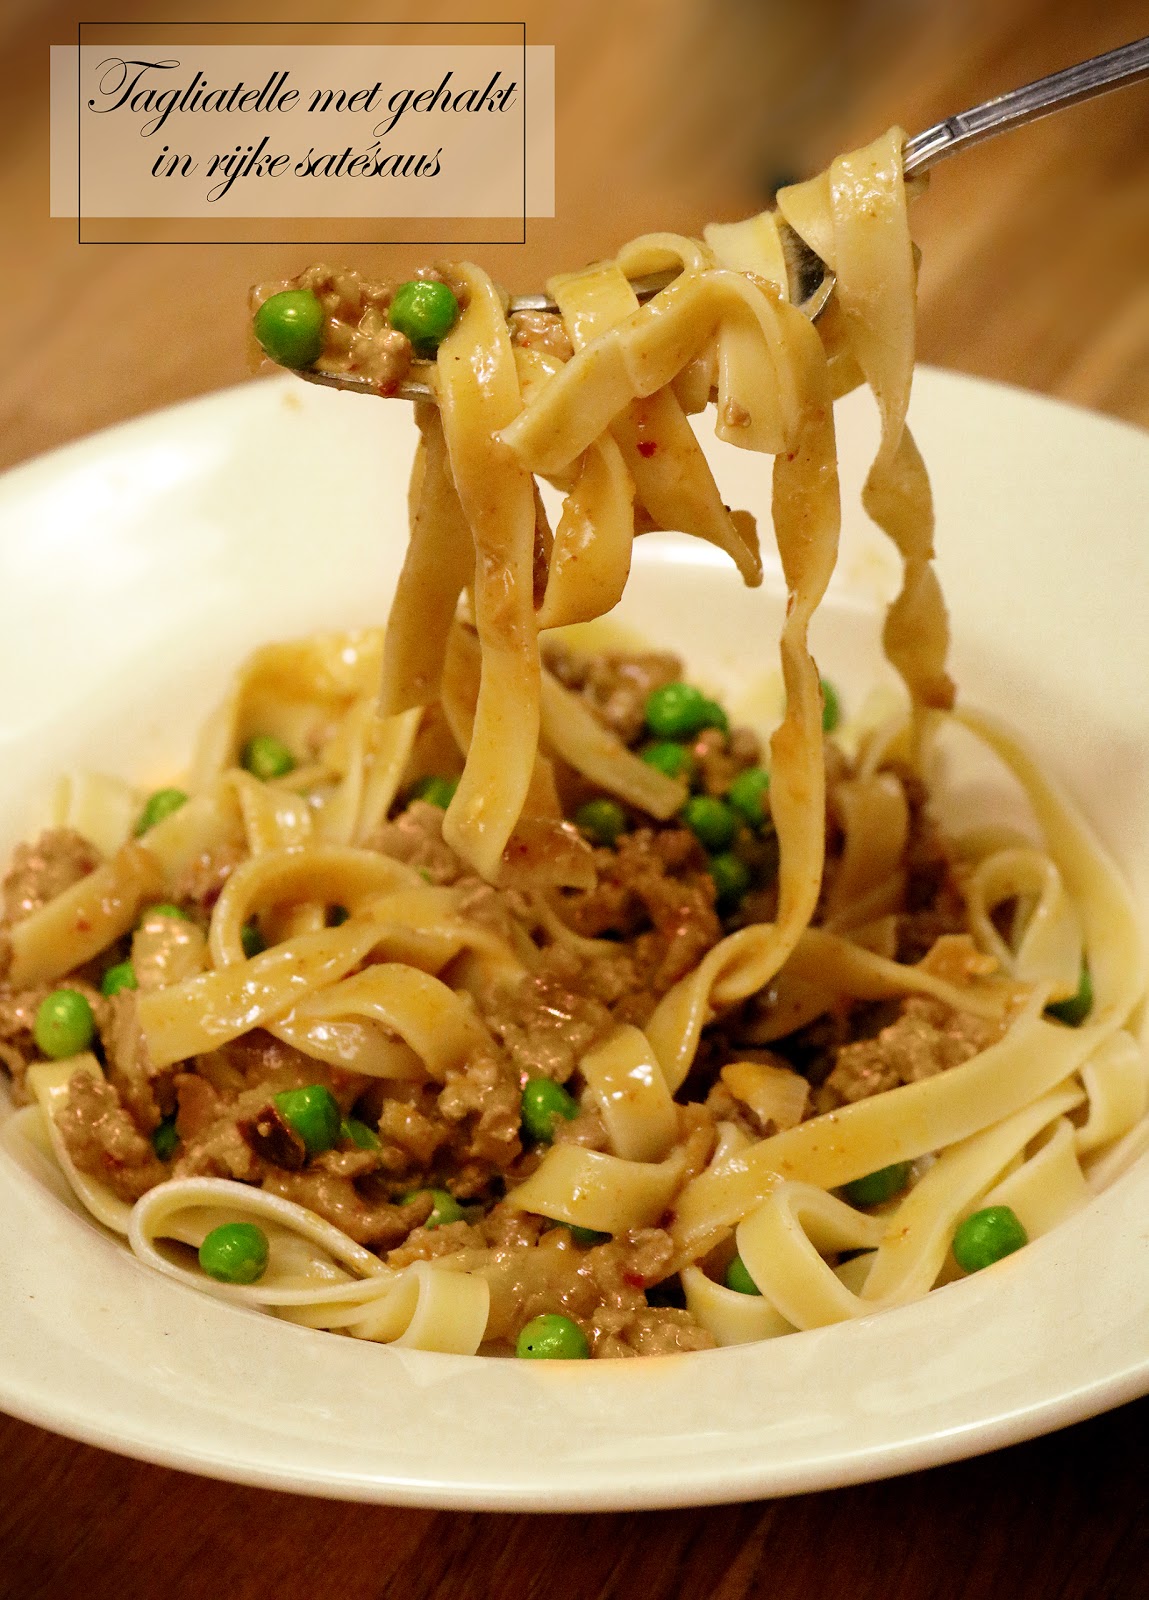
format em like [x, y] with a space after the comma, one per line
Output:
[1065, 1518]
[1034, 272]
[1034, 247]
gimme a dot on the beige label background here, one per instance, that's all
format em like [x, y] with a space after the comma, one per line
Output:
[491, 163]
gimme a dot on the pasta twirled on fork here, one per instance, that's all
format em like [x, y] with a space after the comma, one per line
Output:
[425, 915]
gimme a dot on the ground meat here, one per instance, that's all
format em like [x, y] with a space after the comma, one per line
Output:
[720, 757]
[545, 1025]
[696, 1139]
[606, 972]
[428, 1244]
[534, 1266]
[198, 1105]
[926, 1038]
[654, 889]
[16, 1065]
[602, 1289]
[104, 1141]
[542, 331]
[230, 1088]
[482, 1103]
[17, 1046]
[503, 911]
[378, 1224]
[916, 932]
[416, 838]
[129, 1069]
[462, 1135]
[410, 1130]
[219, 1151]
[934, 903]
[357, 337]
[655, 1331]
[202, 880]
[723, 1107]
[738, 1098]
[39, 872]
[615, 686]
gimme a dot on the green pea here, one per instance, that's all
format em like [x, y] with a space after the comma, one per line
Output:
[253, 942]
[731, 878]
[121, 976]
[235, 1252]
[289, 326]
[878, 1186]
[831, 707]
[601, 820]
[669, 757]
[715, 716]
[425, 311]
[158, 806]
[165, 1139]
[314, 1114]
[677, 711]
[587, 1236]
[987, 1236]
[64, 1024]
[266, 757]
[446, 1209]
[359, 1133]
[711, 819]
[738, 1278]
[542, 1101]
[552, 1338]
[747, 794]
[436, 791]
[1075, 1010]
[165, 908]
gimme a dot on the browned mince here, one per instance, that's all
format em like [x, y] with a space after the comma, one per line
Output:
[924, 1039]
[655, 895]
[358, 339]
[616, 686]
[18, 1014]
[542, 331]
[39, 872]
[199, 885]
[104, 1139]
[650, 917]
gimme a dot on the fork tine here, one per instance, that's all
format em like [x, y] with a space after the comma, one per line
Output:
[807, 272]
[645, 288]
[355, 383]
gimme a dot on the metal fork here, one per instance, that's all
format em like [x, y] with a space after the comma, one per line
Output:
[811, 281]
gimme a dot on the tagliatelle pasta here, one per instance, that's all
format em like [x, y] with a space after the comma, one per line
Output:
[470, 981]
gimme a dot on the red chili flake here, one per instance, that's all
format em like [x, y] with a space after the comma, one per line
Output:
[635, 1279]
[83, 925]
[647, 447]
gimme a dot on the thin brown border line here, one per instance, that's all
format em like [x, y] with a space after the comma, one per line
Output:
[79, 134]
[233, 23]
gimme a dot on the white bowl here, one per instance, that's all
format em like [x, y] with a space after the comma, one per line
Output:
[138, 566]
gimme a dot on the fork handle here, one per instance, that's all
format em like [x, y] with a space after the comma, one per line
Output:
[1112, 70]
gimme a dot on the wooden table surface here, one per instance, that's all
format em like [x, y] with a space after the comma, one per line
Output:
[1034, 272]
